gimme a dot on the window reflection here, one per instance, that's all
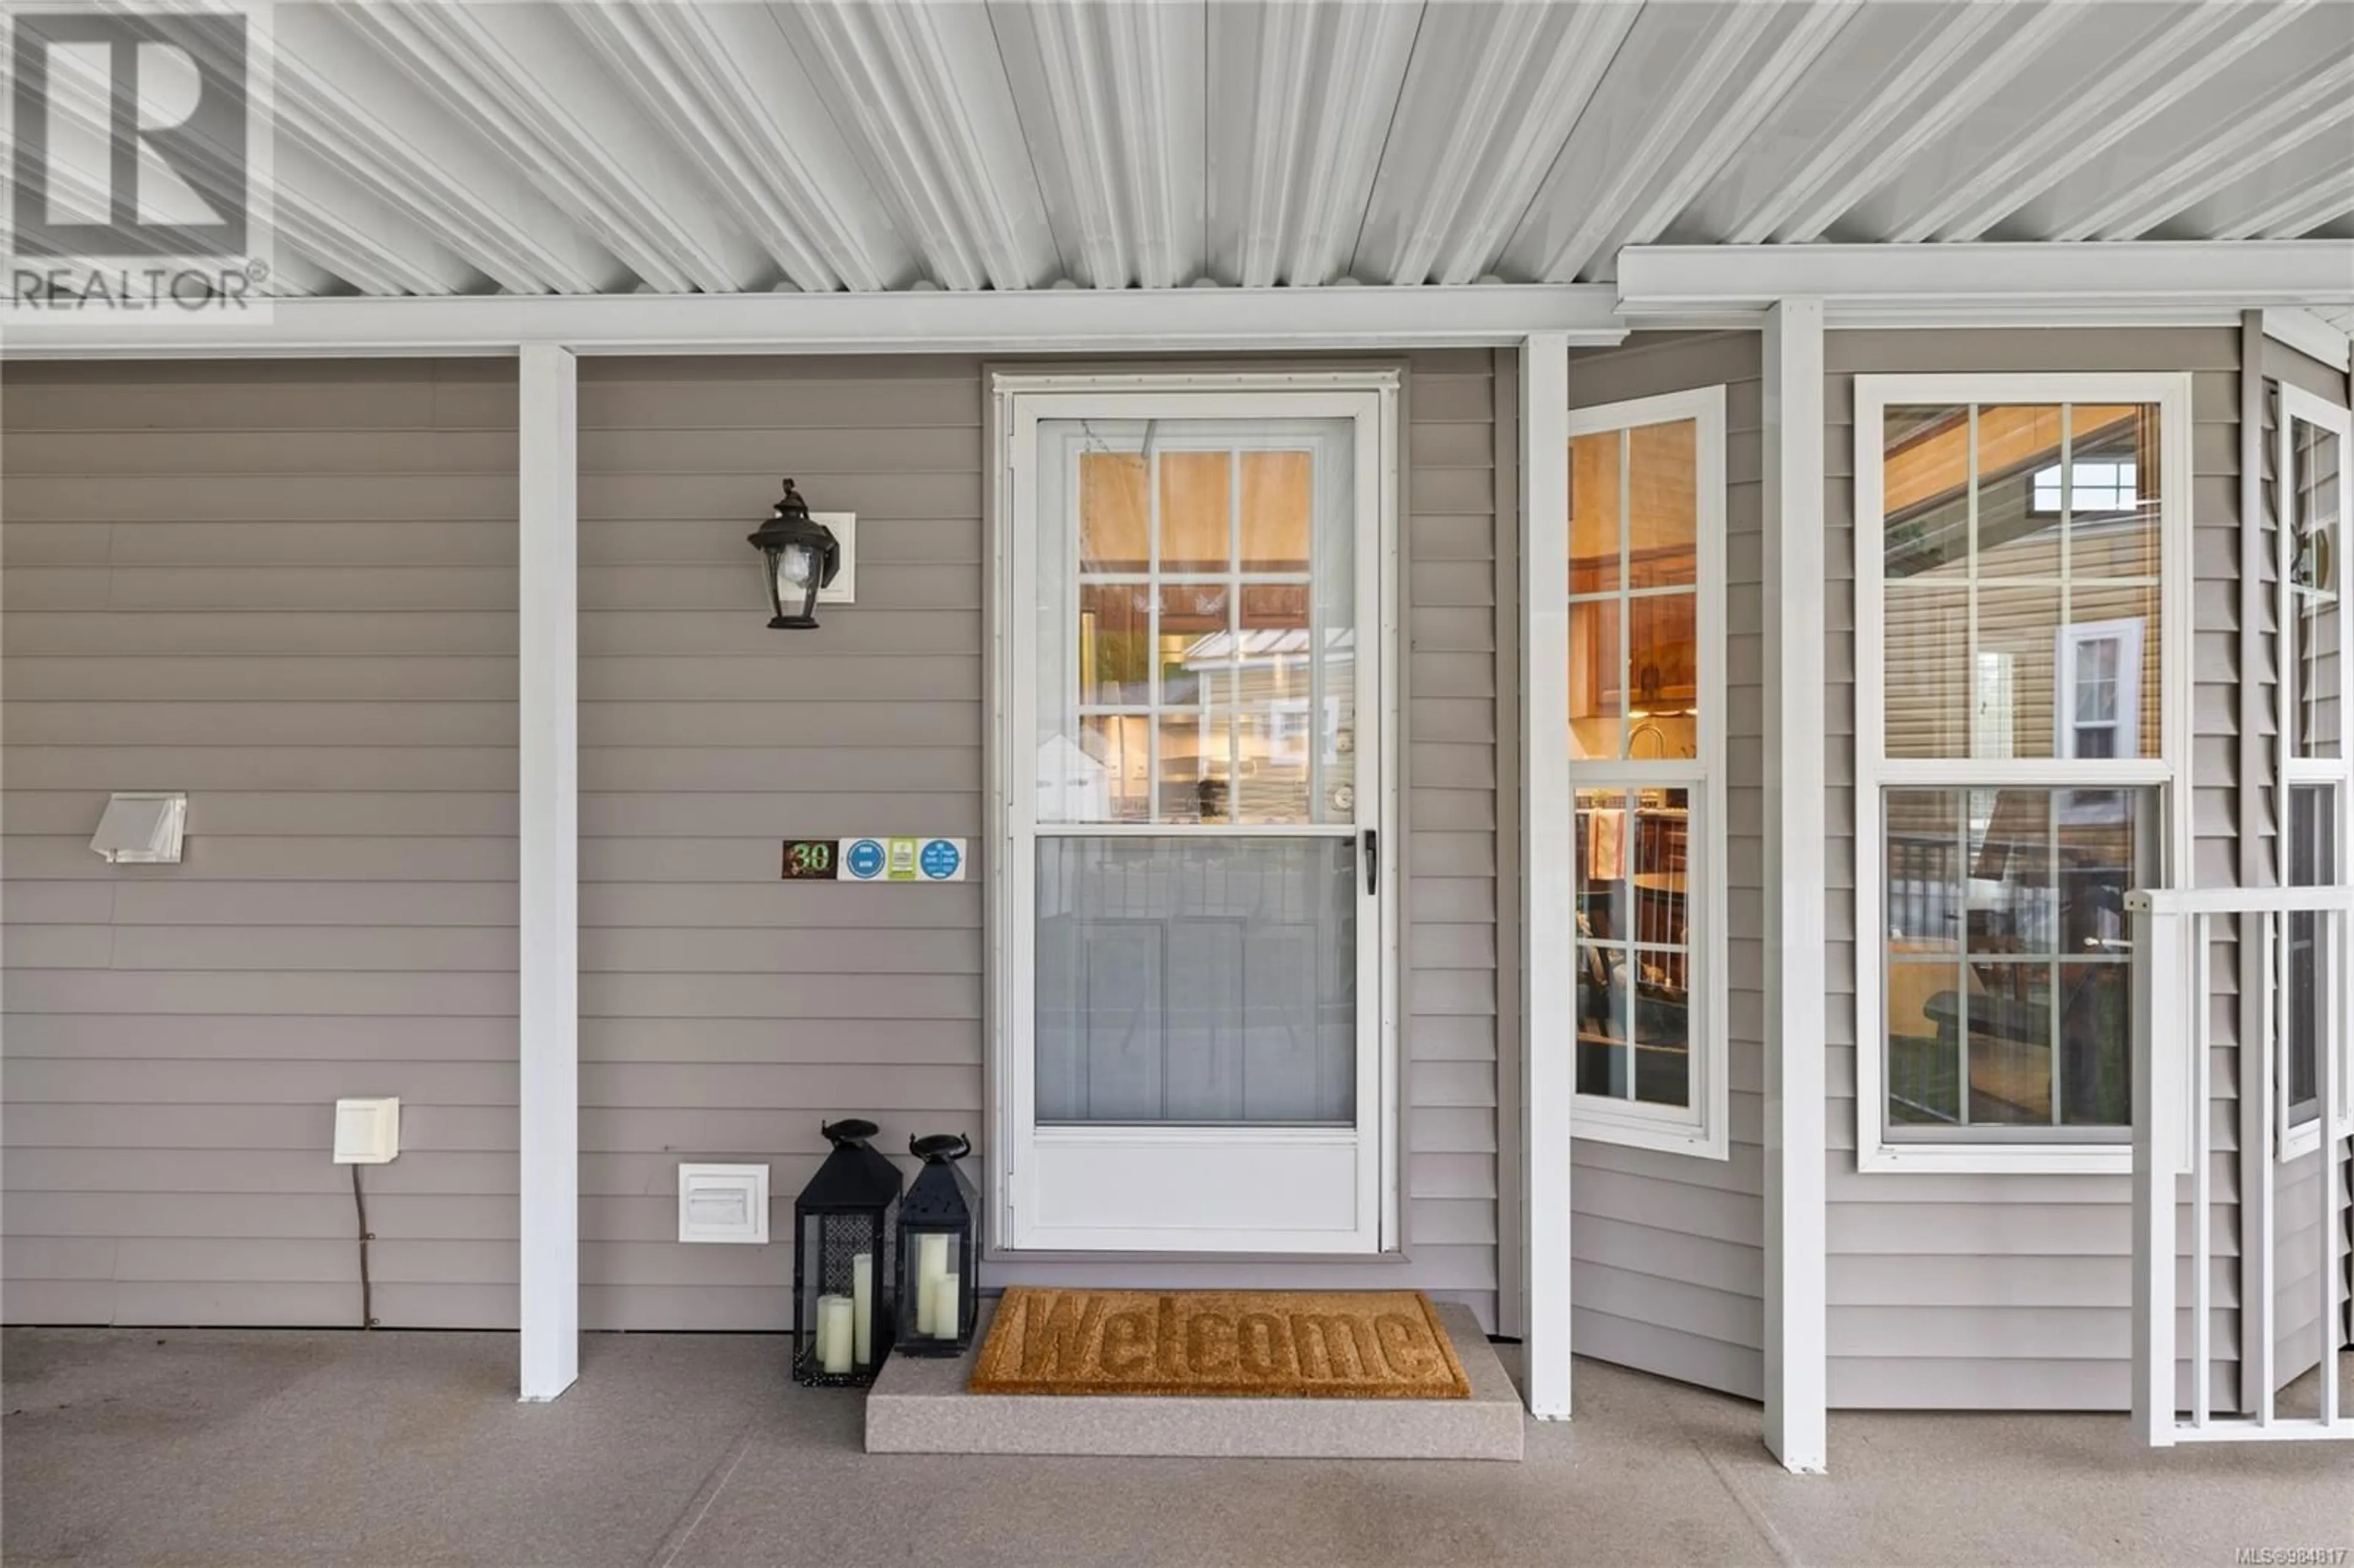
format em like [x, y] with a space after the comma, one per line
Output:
[1634, 575]
[2020, 562]
[1634, 954]
[2006, 961]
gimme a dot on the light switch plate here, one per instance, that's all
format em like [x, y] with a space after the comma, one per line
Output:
[367, 1131]
[723, 1203]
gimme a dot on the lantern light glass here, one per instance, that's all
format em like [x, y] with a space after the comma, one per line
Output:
[801, 557]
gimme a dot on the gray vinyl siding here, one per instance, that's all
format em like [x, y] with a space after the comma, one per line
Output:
[1668, 1258]
[288, 589]
[723, 1011]
[2297, 1214]
[1995, 1291]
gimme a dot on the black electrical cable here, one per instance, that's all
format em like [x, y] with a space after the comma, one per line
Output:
[367, 1291]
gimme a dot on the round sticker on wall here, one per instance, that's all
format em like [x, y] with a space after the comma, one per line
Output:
[940, 859]
[864, 859]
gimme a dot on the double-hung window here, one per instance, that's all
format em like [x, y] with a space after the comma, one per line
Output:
[2311, 480]
[2022, 721]
[1645, 709]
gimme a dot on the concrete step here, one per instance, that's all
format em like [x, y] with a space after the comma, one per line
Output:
[920, 1406]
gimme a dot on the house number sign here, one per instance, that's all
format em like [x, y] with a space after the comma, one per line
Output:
[875, 859]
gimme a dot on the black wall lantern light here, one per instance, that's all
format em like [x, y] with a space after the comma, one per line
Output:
[802, 555]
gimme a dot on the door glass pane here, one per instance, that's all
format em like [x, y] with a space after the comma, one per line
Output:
[1278, 507]
[1196, 498]
[1115, 512]
[1238, 669]
[1197, 979]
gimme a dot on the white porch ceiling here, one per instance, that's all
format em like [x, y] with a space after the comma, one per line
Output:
[534, 148]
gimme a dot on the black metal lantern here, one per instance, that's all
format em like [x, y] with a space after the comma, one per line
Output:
[802, 556]
[842, 1262]
[939, 1263]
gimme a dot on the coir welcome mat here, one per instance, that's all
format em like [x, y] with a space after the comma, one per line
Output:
[1372, 1344]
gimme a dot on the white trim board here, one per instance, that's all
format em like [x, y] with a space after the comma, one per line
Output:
[1796, 593]
[2169, 772]
[2183, 282]
[2311, 336]
[1548, 989]
[1094, 321]
[548, 876]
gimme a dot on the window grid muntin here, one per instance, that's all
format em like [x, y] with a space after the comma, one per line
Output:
[2142, 808]
[1626, 594]
[1234, 580]
[2163, 537]
[1894, 588]
[1630, 799]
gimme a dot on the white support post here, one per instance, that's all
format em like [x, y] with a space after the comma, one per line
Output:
[548, 559]
[1796, 871]
[1548, 1002]
[2160, 1018]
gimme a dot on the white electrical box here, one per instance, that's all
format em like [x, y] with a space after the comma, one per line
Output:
[723, 1203]
[143, 828]
[368, 1132]
[843, 588]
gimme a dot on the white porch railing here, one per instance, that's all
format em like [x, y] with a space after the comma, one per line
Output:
[2172, 1024]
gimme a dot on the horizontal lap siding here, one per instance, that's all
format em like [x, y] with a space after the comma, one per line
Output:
[288, 589]
[1448, 536]
[724, 1012]
[1991, 1292]
[1668, 1270]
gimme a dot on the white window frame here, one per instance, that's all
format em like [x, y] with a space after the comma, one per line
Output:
[1019, 401]
[2296, 1139]
[1701, 1127]
[2168, 773]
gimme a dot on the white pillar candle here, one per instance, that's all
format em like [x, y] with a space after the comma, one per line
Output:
[948, 1305]
[834, 1338]
[932, 1262]
[862, 1305]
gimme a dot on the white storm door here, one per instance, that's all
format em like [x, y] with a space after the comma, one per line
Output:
[1197, 873]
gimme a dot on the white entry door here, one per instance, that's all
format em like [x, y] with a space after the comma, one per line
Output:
[1195, 878]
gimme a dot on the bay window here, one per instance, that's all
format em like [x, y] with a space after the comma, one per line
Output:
[1646, 686]
[2021, 723]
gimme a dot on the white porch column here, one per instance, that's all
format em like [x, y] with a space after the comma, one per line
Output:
[1797, 1162]
[549, 794]
[1549, 1003]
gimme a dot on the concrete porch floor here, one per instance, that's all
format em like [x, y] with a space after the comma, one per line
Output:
[124, 1447]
